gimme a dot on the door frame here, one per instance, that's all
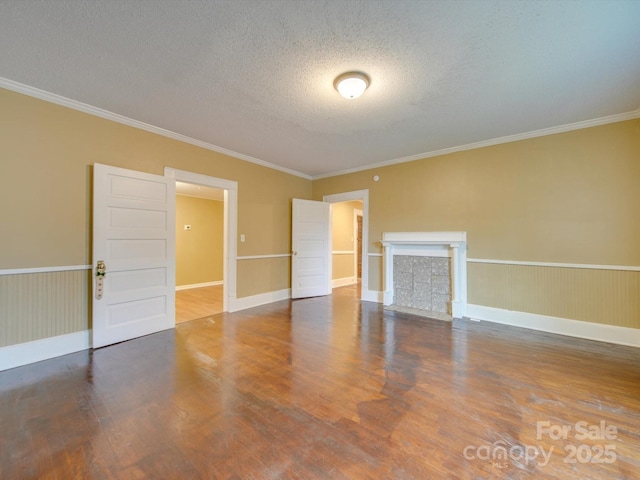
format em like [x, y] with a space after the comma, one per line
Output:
[364, 196]
[357, 213]
[230, 245]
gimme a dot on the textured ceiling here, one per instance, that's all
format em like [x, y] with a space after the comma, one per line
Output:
[256, 77]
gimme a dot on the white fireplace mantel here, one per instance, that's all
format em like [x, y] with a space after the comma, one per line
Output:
[450, 244]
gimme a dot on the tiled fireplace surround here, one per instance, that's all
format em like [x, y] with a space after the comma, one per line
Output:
[426, 271]
[422, 282]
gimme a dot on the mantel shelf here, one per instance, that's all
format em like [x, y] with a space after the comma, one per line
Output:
[397, 242]
[428, 238]
[421, 242]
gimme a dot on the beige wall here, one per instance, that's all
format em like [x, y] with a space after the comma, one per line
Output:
[264, 275]
[342, 238]
[560, 198]
[199, 251]
[566, 198]
[569, 198]
[46, 157]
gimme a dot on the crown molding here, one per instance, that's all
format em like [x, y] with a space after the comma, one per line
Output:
[619, 117]
[99, 112]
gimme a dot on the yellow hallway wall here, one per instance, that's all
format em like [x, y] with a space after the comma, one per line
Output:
[342, 238]
[199, 251]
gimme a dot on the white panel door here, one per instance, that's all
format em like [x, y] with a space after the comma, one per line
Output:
[134, 235]
[311, 245]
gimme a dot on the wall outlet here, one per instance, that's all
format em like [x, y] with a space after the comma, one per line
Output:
[187, 227]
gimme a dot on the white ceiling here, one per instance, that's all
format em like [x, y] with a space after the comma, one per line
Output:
[255, 77]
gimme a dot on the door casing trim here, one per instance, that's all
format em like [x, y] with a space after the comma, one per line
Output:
[230, 246]
[362, 195]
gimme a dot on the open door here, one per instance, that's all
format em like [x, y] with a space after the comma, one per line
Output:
[133, 254]
[311, 245]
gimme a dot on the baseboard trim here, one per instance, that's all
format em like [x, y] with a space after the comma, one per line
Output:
[343, 282]
[199, 285]
[243, 303]
[21, 354]
[562, 326]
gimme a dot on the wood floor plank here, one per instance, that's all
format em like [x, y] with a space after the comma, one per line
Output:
[200, 302]
[324, 388]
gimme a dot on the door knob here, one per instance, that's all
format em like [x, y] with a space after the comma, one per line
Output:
[101, 272]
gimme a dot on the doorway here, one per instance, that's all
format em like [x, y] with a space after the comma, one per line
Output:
[360, 262]
[199, 251]
[357, 234]
[229, 191]
[346, 246]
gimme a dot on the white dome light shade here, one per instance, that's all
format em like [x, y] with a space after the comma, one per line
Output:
[351, 84]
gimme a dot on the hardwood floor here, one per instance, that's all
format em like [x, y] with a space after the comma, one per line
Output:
[326, 388]
[195, 303]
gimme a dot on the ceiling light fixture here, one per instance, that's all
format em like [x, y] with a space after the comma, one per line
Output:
[351, 84]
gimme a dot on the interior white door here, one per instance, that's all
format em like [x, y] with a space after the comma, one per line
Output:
[311, 245]
[134, 236]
